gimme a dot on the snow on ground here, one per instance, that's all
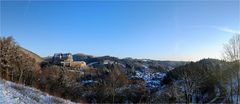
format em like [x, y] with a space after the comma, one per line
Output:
[152, 80]
[11, 93]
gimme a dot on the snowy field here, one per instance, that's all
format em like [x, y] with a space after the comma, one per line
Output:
[11, 93]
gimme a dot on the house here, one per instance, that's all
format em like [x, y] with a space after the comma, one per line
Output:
[64, 59]
[78, 64]
[108, 62]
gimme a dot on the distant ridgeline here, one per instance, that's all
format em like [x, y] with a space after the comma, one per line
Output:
[66, 60]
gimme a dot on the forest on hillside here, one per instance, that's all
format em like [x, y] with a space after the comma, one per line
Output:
[127, 80]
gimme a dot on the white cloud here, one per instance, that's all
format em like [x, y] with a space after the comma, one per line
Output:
[219, 28]
[228, 30]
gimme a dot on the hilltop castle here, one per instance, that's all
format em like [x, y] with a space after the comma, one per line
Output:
[66, 60]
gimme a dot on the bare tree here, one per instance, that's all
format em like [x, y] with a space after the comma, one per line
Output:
[232, 49]
[116, 79]
[193, 77]
[232, 54]
[8, 50]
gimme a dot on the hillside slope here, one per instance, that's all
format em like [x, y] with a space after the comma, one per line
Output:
[11, 93]
[166, 65]
[31, 54]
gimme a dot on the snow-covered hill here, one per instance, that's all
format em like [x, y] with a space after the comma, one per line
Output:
[11, 93]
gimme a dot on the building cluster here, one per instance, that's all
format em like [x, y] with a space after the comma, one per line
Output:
[66, 60]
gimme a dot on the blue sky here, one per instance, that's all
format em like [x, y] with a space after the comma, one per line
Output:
[162, 30]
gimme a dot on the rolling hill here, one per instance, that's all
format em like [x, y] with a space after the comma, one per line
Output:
[32, 54]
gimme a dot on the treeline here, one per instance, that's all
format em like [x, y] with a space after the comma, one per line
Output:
[109, 84]
[15, 65]
[202, 81]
